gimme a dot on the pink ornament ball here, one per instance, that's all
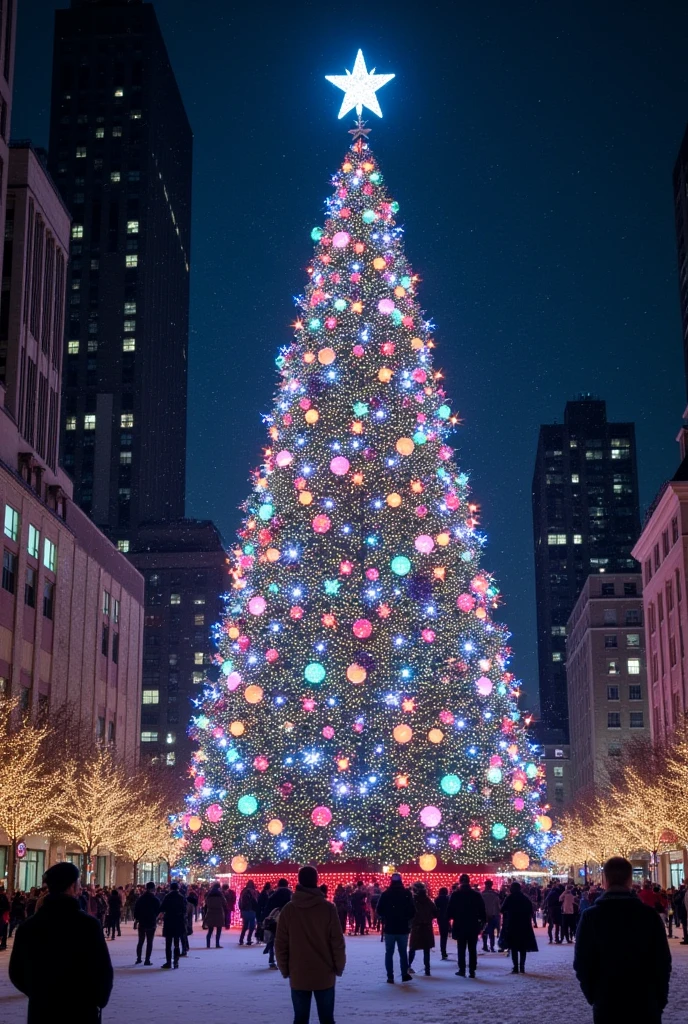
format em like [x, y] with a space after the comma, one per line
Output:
[372, 574]
[484, 686]
[424, 544]
[206, 845]
[496, 761]
[444, 453]
[199, 782]
[271, 655]
[519, 803]
[214, 813]
[304, 403]
[404, 810]
[446, 717]
[321, 524]
[385, 306]
[358, 351]
[283, 459]
[328, 732]
[465, 603]
[430, 816]
[321, 816]
[455, 841]
[233, 680]
[218, 732]
[261, 763]
[244, 643]
[452, 502]
[420, 376]
[257, 605]
[421, 511]
[341, 240]
[339, 466]
[428, 635]
[308, 704]
[362, 628]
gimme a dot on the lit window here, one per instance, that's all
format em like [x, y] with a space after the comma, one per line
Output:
[199, 620]
[123, 546]
[558, 630]
[558, 752]
[633, 640]
[637, 720]
[150, 697]
[92, 344]
[49, 555]
[125, 494]
[126, 420]
[100, 133]
[198, 657]
[115, 177]
[199, 600]
[125, 458]
[575, 478]
[132, 260]
[633, 666]
[80, 152]
[73, 348]
[11, 522]
[129, 345]
[613, 719]
[90, 421]
[135, 115]
[577, 538]
[170, 758]
[149, 737]
[171, 738]
[106, 603]
[613, 668]
[557, 656]
[129, 308]
[77, 230]
[556, 538]
[119, 93]
[129, 326]
[197, 677]
[132, 227]
[115, 610]
[34, 541]
[175, 598]
[558, 771]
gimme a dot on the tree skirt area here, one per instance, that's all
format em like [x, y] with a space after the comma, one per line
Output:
[235, 984]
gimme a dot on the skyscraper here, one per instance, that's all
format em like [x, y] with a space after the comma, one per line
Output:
[586, 519]
[681, 218]
[120, 152]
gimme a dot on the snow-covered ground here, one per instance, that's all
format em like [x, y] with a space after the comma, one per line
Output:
[233, 985]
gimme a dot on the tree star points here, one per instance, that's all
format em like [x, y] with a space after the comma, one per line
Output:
[359, 87]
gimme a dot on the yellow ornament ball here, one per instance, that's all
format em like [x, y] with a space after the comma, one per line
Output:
[544, 822]
[435, 735]
[417, 344]
[239, 864]
[275, 827]
[520, 860]
[233, 632]
[405, 446]
[237, 728]
[309, 357]
[326, 356]
[305, 497]
[384, 374]
[402, 733]
[195, 823]
[427, 862]
[253, 694]
[312, 416]
[272, 554]
[480, 613]
[443, 539]
[356, 673]
[394, 500]
[399, 291]
[379, 263]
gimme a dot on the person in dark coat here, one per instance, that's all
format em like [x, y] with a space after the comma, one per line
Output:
[552, 907]
[617, 935]
[173, 909]
[422, 934]
[466, 911]
[114, 914]
[230, 900]
[395, 909]
[4, 917]
[517, 930]
[146, 910]
[49, 946]
[341, 902]
[17, 911]
[215, 910]
[442, 903]
[359, 900]
[248, 905]
[261, 912]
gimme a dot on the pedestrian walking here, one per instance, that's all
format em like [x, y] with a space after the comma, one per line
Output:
[396, 911]
[248, 905]
[552, 905]
[173, 910]
[146, 910]
[569, 909]
[466, 911]
[310, 948]
[493, 912]
[341, 902]
[215, 910]
[278, 899]
[617, 933]
[518, 934]
[442, 903]
[261, 912]
[422, 936]
[46, 949]
[114, 914]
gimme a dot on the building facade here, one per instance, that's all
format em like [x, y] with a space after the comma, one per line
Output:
[8, 28]
[681, 223]
[585, 520]
[555, 758]
[606, 675]
[185, 569]
[120, 152]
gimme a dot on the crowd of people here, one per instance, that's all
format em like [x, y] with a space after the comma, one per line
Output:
[303, 930]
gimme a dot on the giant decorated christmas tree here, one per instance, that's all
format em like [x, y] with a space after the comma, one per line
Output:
[364, 707]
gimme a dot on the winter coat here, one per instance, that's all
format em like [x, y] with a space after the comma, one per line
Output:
[173, 907]
[553, 906]
[517, 930]
[568, 902]
[278, 899]
[358, 900]
[309, 944]
[114, 905]
[493, 907]
[248, 901]
[230, 897]
[616, 935]
[146, 910]
[395, 909]
[466, 911]
[215, 909]
[48, 947]
[422, 935]
[442, 903]
[263, 900]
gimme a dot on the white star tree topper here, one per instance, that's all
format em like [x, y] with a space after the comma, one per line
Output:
[359, 87]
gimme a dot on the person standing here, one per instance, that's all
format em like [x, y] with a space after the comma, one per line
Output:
[518, 934]
[4, 918]
[114, 914]
[49, 945]
[173, 909]
[341, 902]
[278, 899]
[493, 911]
[422, 934]
[310, 948]
[215, 910]
[248, 905]
[552, 906]
[262, 910]
[680, 915]
[230, 900]
[569, 907]
[374, 898]
[146, 910]
[396, 910]
[359, 899]
[442, 902]
[466, 911]
[619, 932]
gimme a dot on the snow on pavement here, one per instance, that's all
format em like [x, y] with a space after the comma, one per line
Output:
[234, 984]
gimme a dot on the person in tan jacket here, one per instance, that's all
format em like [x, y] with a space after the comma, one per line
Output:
[310, 949]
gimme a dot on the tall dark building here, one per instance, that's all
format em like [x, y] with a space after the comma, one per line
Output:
[120, 152]
[681, 216]
[586, 519]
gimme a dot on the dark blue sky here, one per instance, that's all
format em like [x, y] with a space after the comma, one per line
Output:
[530, 146]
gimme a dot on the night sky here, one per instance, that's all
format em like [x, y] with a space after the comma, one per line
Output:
[530, 146]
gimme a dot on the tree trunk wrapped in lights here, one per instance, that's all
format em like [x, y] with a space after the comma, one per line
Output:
[362, 704]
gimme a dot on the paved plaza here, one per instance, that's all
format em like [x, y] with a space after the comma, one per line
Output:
[233, 984]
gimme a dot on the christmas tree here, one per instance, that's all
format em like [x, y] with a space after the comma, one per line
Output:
[364, 707]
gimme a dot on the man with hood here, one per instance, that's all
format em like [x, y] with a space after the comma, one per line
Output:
[310, 949]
